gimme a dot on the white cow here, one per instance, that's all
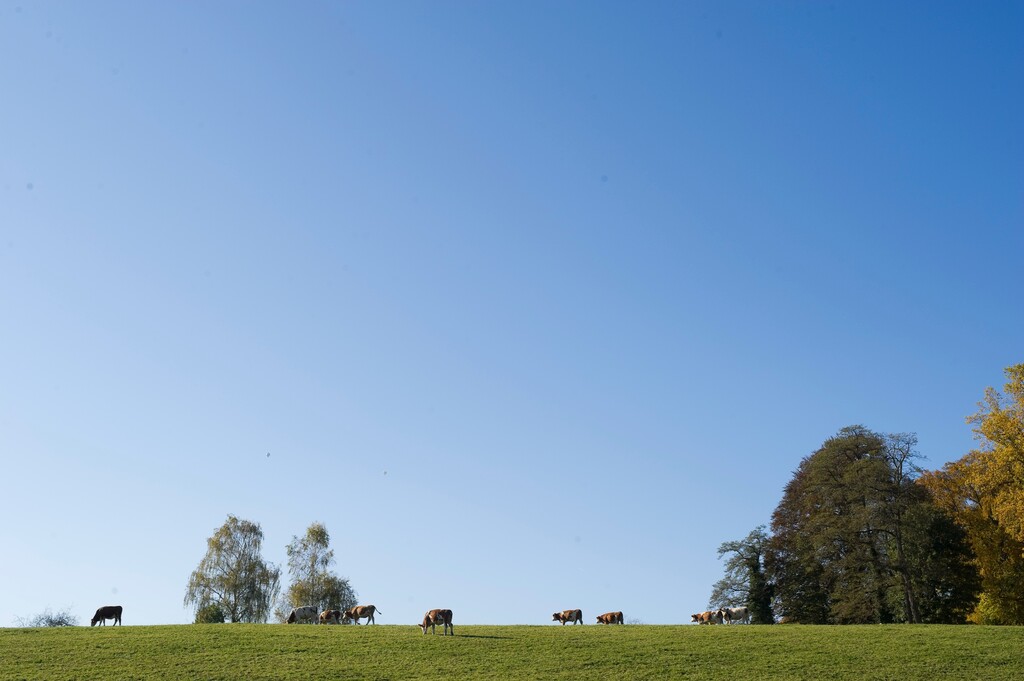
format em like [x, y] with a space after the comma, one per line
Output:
[306, 613]
[730, 615]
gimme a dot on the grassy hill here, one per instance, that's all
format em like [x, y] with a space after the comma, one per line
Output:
[254, 652]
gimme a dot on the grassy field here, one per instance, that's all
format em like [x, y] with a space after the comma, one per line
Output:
[513, 652]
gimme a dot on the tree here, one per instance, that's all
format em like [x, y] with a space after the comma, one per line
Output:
[61, 618]
[313, 582]
[983, 492]
[998, 467]
[832, 563]
[998, 556]
[233, 574]
[942, 573]
[745, 581]
[856, 539]
[898, 496]
[801, 592]
[210, 614]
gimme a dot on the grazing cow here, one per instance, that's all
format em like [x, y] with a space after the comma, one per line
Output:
[306, 613]
[361, 611]
[610, 618]
[730, 615]
[707, 617]
[435, 617]
[331, 617]
[574, 616]
[107, 612]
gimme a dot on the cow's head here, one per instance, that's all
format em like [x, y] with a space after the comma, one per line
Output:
[557, 617]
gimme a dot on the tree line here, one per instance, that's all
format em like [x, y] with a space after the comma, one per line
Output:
[233, 582]
[865, 535]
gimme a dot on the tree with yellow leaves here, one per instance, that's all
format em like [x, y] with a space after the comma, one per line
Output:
[984, 493]
[999, 465]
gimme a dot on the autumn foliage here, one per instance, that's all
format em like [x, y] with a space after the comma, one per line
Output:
[984, 493]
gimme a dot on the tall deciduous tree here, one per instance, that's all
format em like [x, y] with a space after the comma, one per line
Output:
[233, 574]
[899, 495]
[745, 582]
[998, 467]
[836, 540]
[940, 564]
[855, 539]
[801, 590]
[999, 557]
[984, 493]
[310, 561]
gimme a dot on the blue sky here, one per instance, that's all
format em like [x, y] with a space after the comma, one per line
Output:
[533, 305]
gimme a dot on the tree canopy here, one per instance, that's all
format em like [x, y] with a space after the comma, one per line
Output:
[745, 582]
[984, 494]
[997, 469]
[856, 539]
[313, 582]
[233, 574]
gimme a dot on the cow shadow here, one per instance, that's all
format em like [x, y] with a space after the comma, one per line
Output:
[483, 636]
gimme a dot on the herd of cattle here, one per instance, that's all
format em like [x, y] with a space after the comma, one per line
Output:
[310, 615]
[722, 616]
[432, 618]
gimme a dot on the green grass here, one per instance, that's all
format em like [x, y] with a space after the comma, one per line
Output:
[254, 652]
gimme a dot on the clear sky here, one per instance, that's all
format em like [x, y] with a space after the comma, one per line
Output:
[532, 304]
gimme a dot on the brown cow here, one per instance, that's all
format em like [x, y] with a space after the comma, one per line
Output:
[574, 616]
[707, 617]
[331, 617]
[361, 611]
[610, 618]
[107, 612]
[435, 617]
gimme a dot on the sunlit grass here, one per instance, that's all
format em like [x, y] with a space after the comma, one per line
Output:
[513, 652]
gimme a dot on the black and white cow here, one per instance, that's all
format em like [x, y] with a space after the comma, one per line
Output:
[730, 615]
[306, 613]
